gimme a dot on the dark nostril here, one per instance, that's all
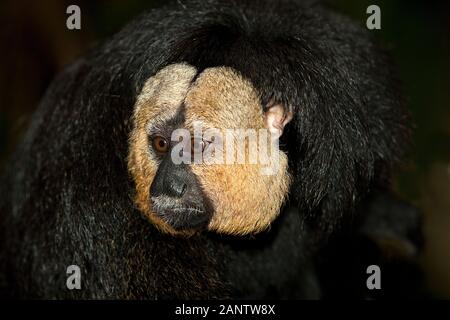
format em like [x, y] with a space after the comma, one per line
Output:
[183, 190]
[178, 189]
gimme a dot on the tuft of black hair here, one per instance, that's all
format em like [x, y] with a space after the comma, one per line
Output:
[67, 196]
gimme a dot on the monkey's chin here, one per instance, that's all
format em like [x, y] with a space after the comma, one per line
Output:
[167, 229]
[184, 223]
[175, 222]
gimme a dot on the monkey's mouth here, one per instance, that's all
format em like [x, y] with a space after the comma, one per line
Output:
[181, 215]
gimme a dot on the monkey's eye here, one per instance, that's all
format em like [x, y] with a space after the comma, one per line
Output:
[160, 144]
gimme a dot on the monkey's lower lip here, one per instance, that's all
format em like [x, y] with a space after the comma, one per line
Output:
[183, 210]
[184, 217]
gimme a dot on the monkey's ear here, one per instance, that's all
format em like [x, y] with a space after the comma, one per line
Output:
[276, 118]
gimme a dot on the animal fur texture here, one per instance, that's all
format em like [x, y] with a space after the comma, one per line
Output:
[74, 193]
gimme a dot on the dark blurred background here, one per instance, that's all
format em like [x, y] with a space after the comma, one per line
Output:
[35, 45]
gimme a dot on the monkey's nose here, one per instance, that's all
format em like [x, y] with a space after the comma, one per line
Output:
[175, 187]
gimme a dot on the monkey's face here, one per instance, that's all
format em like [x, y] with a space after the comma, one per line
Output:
[203, 153]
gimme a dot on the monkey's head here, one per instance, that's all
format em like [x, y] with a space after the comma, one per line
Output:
[192, 156]
[227, 71]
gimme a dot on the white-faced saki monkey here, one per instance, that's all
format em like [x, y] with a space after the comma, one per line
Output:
[215, 149]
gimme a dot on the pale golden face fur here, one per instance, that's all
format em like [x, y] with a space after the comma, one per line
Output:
[244, 200]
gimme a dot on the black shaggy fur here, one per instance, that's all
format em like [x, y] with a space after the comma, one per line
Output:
[66, 197]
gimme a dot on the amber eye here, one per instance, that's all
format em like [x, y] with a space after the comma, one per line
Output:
[160, 144]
